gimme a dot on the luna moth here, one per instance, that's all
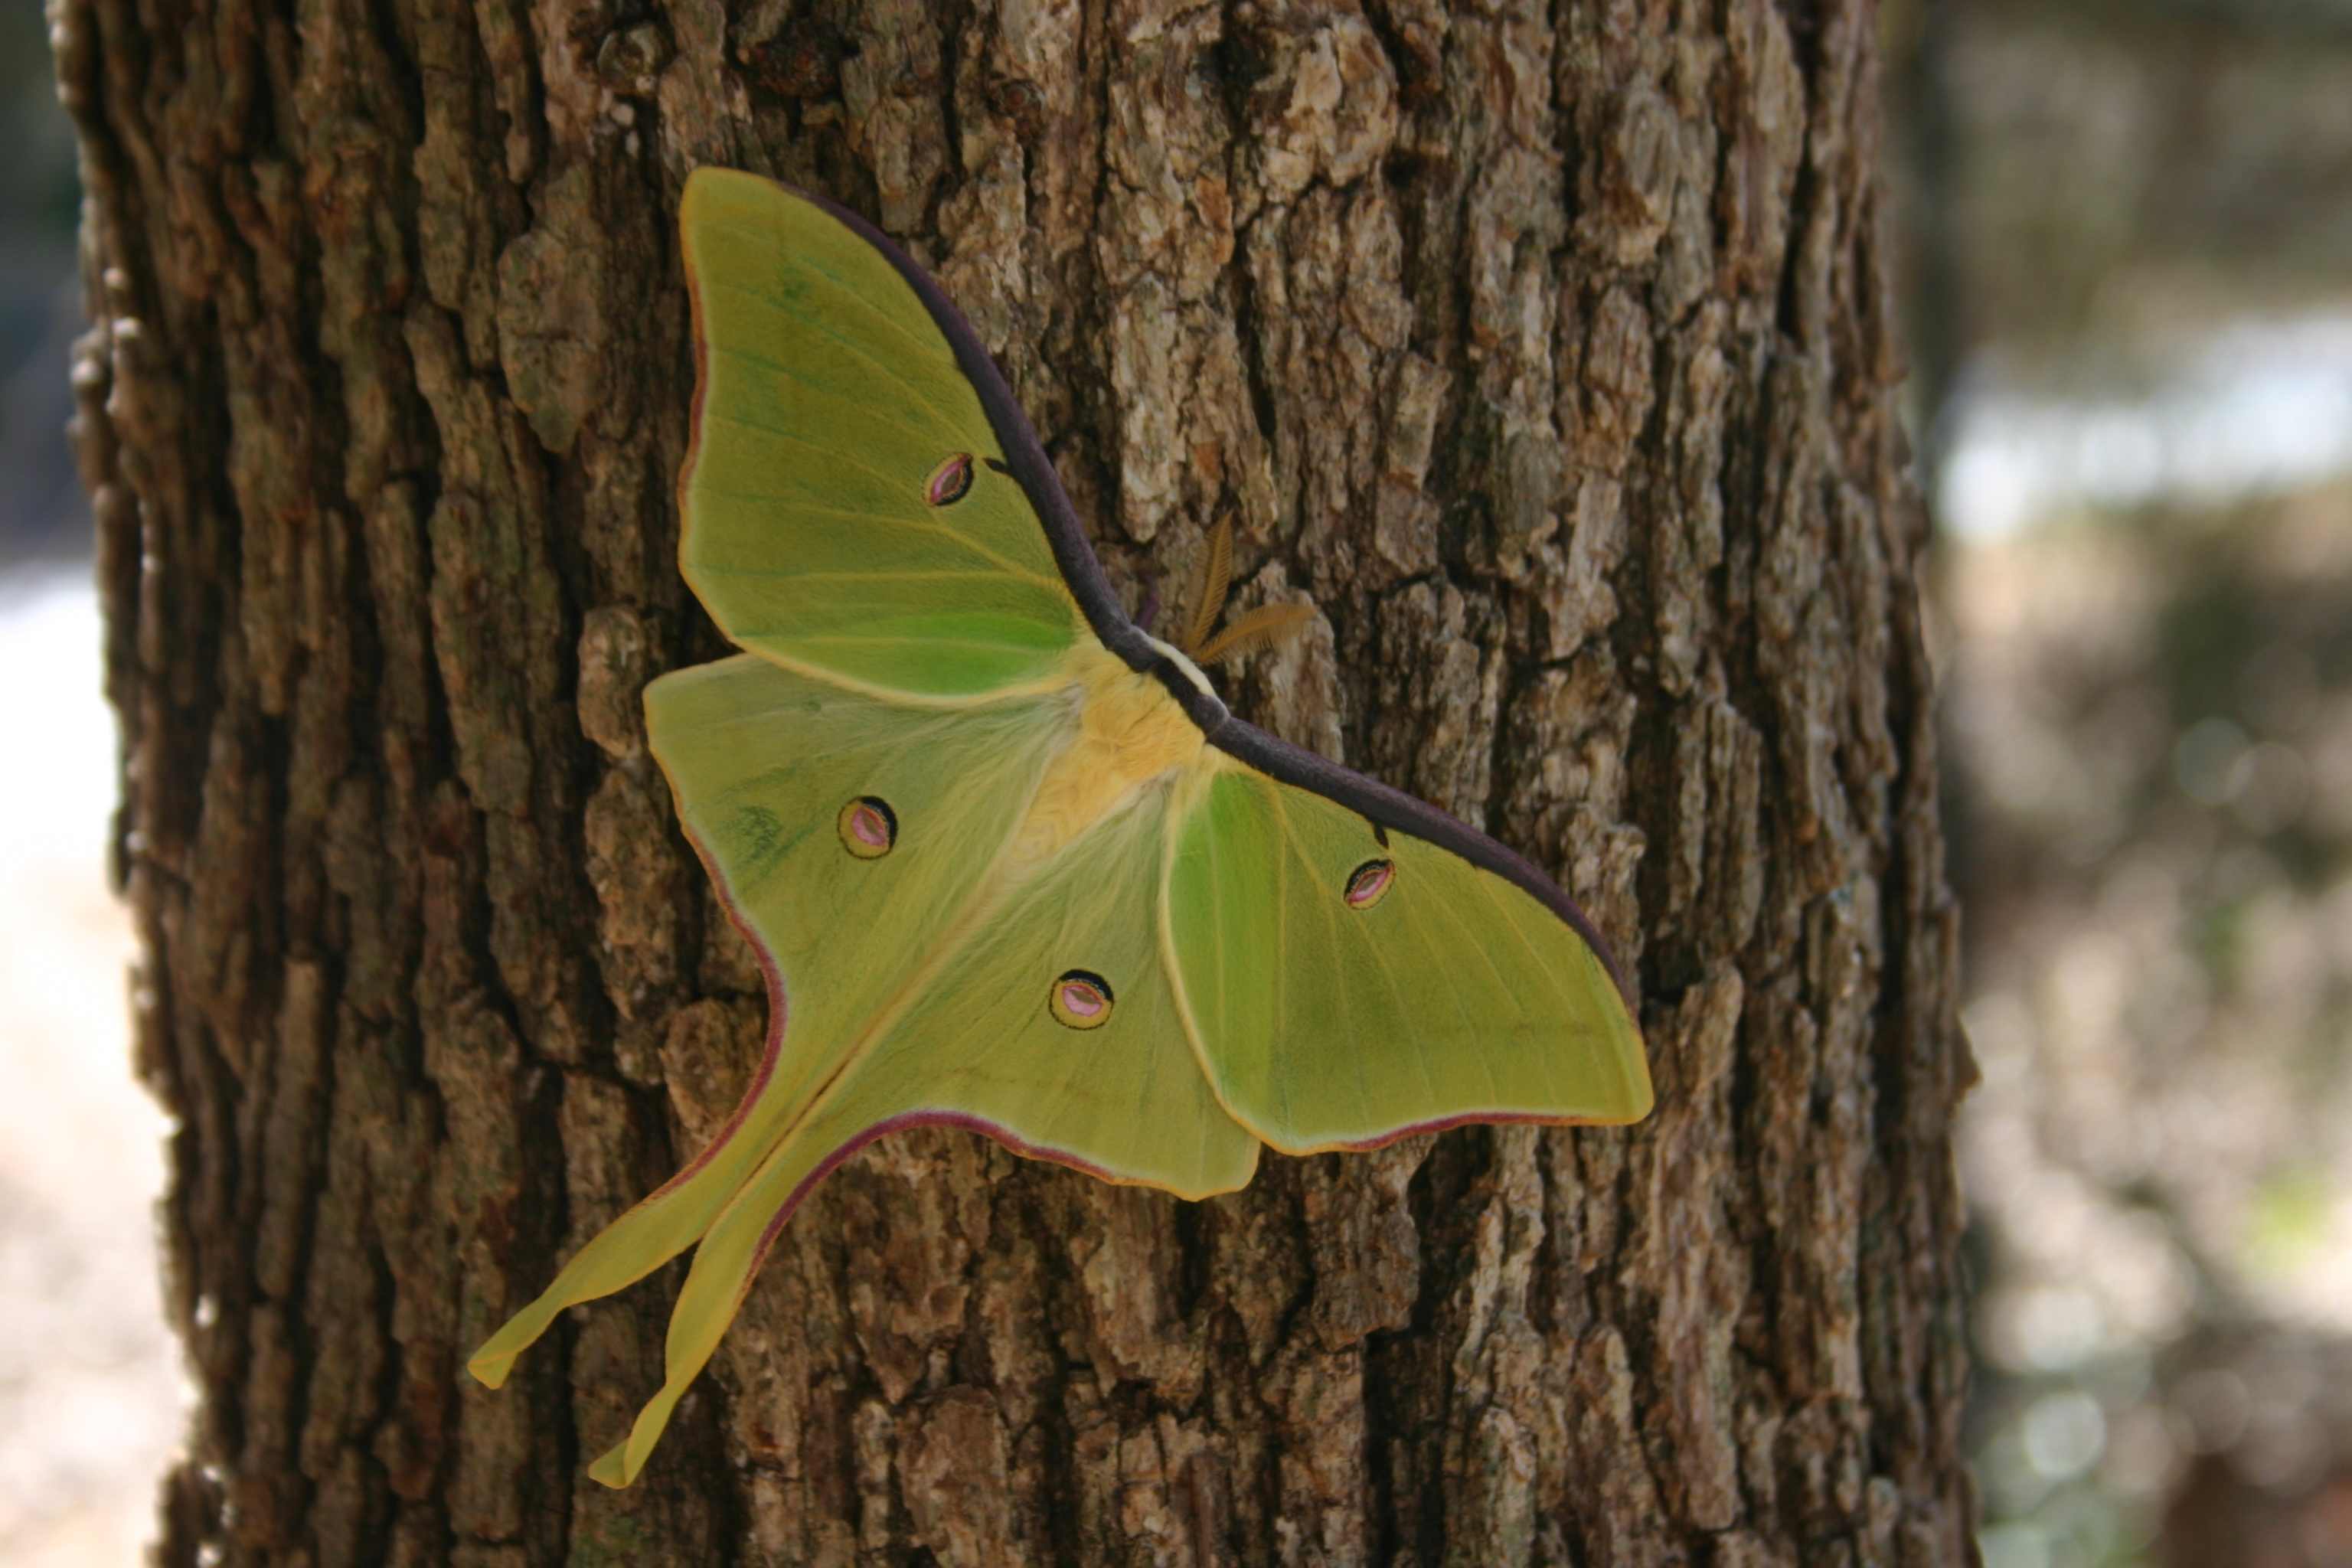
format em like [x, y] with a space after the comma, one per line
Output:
[1007, 861]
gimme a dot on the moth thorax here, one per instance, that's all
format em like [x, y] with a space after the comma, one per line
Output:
[1129, 734]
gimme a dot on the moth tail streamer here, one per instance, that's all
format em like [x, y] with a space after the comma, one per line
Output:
[662, 1225]
[732, 1249]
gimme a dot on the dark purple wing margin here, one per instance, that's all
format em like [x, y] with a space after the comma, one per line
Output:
[1025, 455]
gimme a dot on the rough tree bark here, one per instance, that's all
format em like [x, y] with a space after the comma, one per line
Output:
[1549, 350]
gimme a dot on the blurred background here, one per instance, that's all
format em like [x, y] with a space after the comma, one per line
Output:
[2128, 242]
[2130, 228]
[91, 1399]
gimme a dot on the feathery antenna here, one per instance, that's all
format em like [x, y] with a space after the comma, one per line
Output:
[1261, 627]
[1217, 576]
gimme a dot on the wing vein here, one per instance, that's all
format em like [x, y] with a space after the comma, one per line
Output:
[918, 524]
[1472, 1040]
[878, 414]
[1498, 898]
[955, 419]
[1381, 965]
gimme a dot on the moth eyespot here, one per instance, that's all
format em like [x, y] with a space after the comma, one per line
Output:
[950, 480]
[1080, 999]
[869, 829]
[1369, 883]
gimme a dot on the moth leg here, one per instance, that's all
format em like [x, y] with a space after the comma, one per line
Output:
[1148, 610]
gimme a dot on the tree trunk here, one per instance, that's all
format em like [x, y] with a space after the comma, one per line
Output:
[1549, 352]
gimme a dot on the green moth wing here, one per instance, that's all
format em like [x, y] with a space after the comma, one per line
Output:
[927, 576]
[1351, 984]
